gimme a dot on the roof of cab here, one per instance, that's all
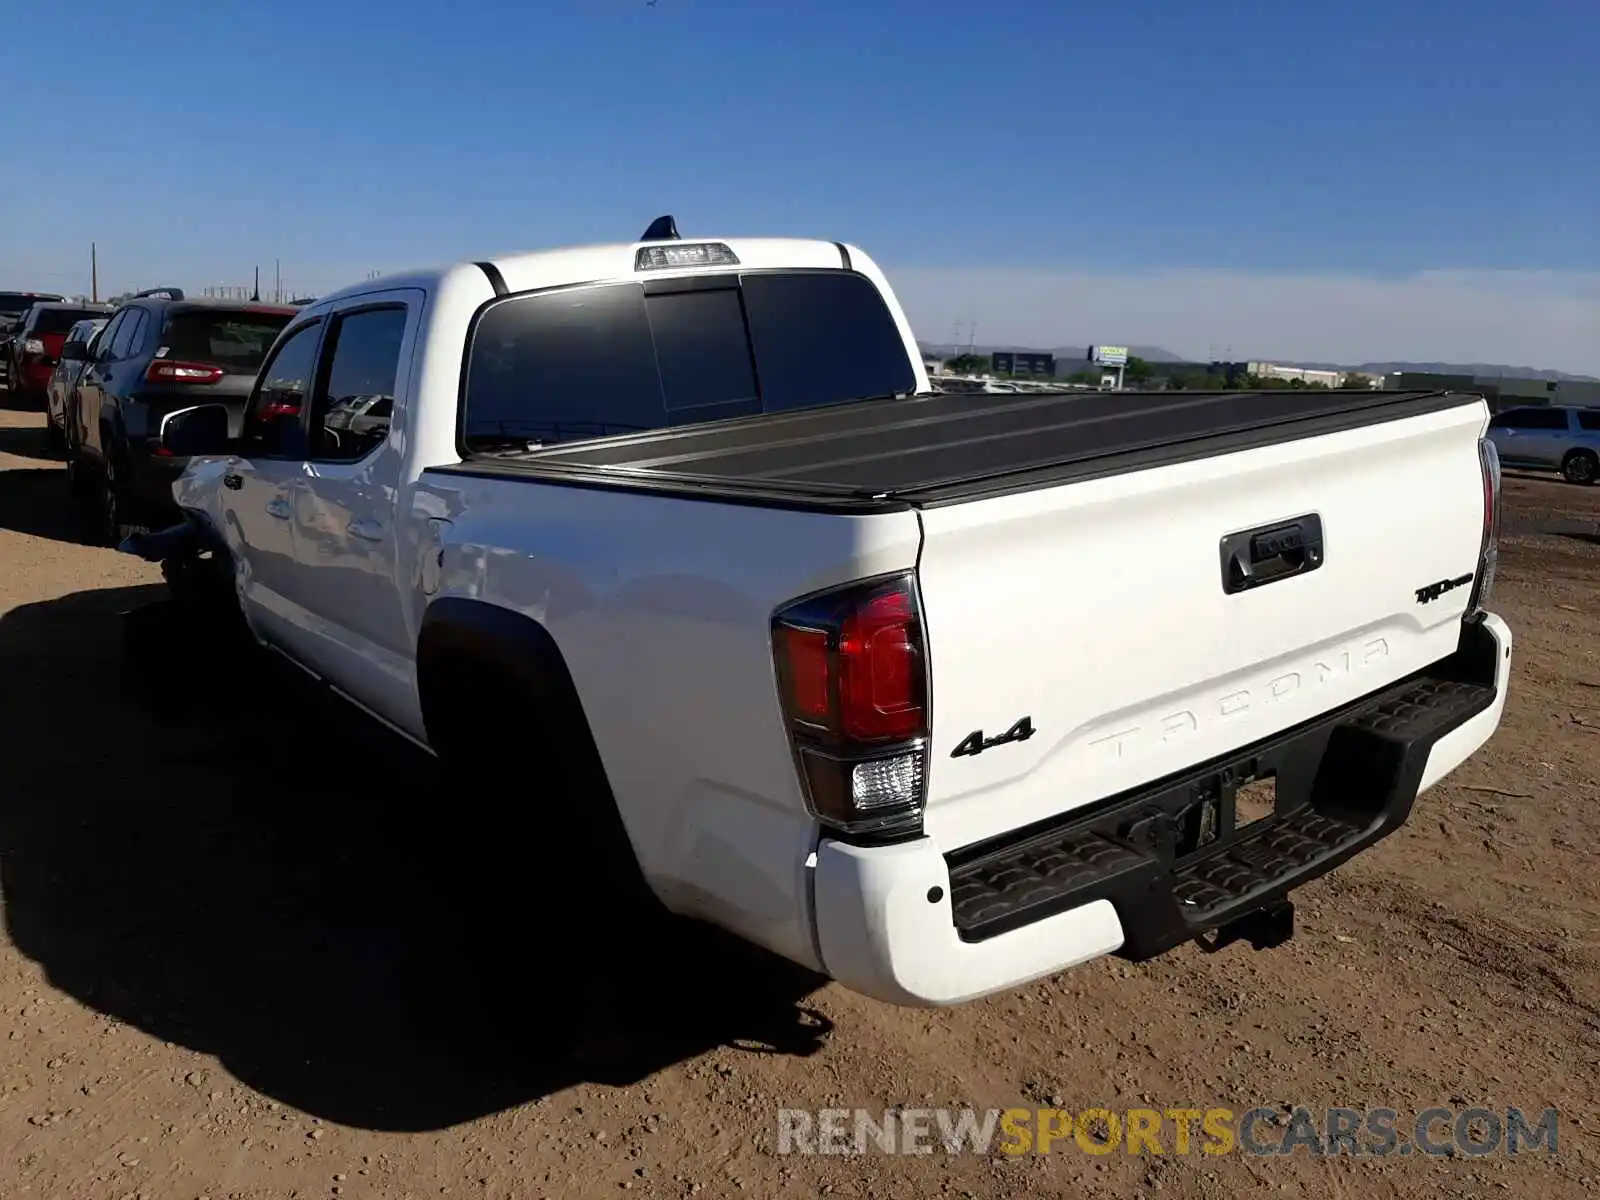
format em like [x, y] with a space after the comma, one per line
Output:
[531, 270]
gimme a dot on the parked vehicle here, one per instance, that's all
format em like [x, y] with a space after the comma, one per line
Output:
[935, 694]
[13, 307]
[1550, 438]
[161, 351]
[75, 354]
[36, 342]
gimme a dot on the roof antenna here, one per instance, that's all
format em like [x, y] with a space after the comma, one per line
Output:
[662, 229]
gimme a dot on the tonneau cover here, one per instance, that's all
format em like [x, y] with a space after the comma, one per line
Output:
[941, 448]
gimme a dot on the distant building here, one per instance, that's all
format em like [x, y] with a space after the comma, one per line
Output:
[1266, 370]
[1501, 391]
[1010, 363]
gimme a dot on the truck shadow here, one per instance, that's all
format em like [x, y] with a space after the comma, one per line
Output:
[11, 401]
[223, 857]
[35, 501]
[27, 441]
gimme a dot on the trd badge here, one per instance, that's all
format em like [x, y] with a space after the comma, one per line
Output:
[1433, 591]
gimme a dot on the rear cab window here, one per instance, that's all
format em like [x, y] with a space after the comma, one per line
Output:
[598, 360]
[236, 341]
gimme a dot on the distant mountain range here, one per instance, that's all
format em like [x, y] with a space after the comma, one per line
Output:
[1157, 354]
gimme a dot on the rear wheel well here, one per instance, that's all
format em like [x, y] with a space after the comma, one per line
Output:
[493, 686]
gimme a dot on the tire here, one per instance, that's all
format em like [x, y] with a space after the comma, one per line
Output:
[53, 437]
[80, 478]
[1581, 467]
[544, 860]
[115, 515]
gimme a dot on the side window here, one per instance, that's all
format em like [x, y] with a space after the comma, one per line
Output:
[1589, 419]
[272, 420]
[132, 342]
[351, 412]
[122, 342]
[108, 335]
[1544, 418]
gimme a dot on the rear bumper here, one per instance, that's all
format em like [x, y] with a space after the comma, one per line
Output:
[32, 379]
[911, 924]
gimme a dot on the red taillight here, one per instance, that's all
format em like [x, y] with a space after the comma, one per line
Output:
[1489, 546]
[276, 410]
[1489, 460]
[810, 674]
[853, 682]
[880, 670]
[166, 371]
[851, 664]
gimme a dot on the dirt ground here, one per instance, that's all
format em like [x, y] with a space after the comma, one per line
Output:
[236, 962]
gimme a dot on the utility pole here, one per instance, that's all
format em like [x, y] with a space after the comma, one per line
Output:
[255, 292]
[94, 275]
[277, 283]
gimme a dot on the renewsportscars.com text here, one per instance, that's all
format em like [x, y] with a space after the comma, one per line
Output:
[1371, 1132]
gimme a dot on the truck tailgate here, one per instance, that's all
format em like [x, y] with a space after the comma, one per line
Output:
[1098, 611]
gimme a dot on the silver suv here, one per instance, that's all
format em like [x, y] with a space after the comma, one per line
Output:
[1550, 438]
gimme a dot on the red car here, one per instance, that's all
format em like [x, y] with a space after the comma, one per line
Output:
[36, 345]
[13, 307]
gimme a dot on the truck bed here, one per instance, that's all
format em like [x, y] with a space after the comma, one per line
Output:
[938, 449]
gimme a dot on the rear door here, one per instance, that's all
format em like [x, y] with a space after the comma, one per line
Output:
[97, 386]
[1104, 615]
[350, 585]
[1530, 437]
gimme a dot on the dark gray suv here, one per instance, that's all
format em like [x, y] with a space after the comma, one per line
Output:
[160, 352]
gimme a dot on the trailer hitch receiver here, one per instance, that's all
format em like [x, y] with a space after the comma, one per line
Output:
[1265, 928]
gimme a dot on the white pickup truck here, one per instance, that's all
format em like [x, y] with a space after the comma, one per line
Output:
[934, 694]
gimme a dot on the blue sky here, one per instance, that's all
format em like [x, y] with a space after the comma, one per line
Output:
[1248, 170]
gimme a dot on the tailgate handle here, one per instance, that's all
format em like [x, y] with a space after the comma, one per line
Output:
[1268, 553]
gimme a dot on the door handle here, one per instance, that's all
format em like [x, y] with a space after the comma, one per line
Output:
[280, 508]
[232, 481]
[366, 529]
[1265, 555]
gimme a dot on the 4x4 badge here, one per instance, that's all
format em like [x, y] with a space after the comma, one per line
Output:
[976, 743]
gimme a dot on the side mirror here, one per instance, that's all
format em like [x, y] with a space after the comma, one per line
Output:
[196, 431]
[75, 352]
